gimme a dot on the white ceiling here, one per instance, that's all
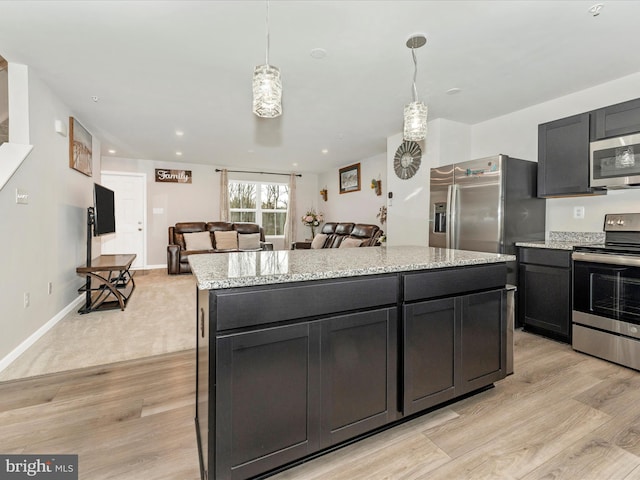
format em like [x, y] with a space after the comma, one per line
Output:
[162, 66]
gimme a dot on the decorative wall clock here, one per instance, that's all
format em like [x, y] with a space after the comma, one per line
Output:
[406, 161]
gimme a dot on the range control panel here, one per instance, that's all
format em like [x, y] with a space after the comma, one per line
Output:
[622, 222]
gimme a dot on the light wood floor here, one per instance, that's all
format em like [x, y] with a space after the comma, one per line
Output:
[562, 415]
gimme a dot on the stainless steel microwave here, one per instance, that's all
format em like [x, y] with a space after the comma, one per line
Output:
[615, 162]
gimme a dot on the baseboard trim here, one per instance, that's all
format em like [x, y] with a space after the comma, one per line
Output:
[35, 336]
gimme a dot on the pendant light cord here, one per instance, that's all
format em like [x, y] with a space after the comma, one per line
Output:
[415, 74]
[267, 51]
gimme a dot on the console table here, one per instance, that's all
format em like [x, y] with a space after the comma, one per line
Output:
[109, 282]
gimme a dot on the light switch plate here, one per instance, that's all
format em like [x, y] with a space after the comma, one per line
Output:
[22, 197]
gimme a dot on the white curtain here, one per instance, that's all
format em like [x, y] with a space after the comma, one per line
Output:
[224, 196]
[290, 223]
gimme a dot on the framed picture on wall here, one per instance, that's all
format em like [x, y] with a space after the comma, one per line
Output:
[350, 178]
[79, 148]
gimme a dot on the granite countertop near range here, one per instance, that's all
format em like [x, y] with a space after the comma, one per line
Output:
[566, 240]
[244, 269]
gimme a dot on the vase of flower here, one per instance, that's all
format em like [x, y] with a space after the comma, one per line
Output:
[313, 220]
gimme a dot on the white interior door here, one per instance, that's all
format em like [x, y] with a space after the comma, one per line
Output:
[130, 207]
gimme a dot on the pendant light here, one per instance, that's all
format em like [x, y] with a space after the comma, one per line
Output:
[267, 86]
[415, 113]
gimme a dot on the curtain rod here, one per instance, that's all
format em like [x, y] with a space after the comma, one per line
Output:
[261, 173]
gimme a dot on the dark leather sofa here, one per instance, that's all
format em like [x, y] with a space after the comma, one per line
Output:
[177, 253]
[337, 232]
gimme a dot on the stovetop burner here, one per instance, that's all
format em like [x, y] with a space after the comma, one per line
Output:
[612, 248]
[622, 235]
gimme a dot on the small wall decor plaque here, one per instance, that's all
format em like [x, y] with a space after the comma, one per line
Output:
[173, 176]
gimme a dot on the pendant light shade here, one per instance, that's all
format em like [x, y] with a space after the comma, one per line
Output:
[267, 91]
[415, 121]
[267, 86]
[415, 113]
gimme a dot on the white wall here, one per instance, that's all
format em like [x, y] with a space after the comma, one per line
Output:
[45, 240]
[198, 201]
[516, 134]
[357, 207]
[408, 209]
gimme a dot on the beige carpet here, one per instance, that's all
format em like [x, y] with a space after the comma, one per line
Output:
[159, 318]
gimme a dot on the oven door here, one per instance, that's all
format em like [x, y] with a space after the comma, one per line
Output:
[607, 285]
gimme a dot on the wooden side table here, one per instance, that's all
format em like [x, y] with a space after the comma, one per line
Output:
[109, 282]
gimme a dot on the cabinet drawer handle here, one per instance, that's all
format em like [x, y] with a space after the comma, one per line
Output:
[202, 322]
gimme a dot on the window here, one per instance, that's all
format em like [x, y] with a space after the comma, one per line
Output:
[261, 203]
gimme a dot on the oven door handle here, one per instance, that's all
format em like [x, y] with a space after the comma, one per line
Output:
[625, 260]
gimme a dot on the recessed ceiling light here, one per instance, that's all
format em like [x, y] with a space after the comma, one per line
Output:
[179, 133]
[112, 151]
[179, 154]
[295, 164]
[453, 91]
[95, 98]
[318, 53]
[325, 151]
[596, 9]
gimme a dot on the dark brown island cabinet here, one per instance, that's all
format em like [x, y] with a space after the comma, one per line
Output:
[288, 371]
[544, 292]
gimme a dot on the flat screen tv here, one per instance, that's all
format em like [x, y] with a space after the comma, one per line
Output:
[104, 211]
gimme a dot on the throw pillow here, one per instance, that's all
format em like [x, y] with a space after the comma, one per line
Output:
[249, 241]
[198, 241]
[226, 240]
[350, 242]
[318, 240]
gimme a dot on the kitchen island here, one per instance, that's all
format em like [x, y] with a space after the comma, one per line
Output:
[301, 351]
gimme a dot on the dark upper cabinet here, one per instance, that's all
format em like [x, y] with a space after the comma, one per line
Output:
[563, 157]
[615, 120]
[544, 290]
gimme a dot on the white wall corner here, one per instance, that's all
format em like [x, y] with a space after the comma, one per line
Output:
[18, 79]
[13, 153]
[11, 156]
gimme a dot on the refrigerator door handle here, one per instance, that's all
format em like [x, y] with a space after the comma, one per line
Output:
[452, 205]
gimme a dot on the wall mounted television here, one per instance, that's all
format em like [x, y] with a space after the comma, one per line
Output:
[104, 210]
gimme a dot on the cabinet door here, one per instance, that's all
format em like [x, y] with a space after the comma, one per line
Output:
[359, 378]
[267, 399]
[545, 299]
[563, 157]
[482, 340]
[429, 354]
[620, 119]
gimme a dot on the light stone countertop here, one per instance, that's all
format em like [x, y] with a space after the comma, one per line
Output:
[244, 269]
[555, 245]
[566, 240]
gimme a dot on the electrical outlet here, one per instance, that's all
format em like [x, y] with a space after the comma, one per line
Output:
[578, 212]
[27, 299]
[49, 288]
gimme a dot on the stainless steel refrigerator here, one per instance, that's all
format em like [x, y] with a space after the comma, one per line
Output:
[486, 205]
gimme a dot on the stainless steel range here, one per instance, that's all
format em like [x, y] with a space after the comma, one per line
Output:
[606, 293]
